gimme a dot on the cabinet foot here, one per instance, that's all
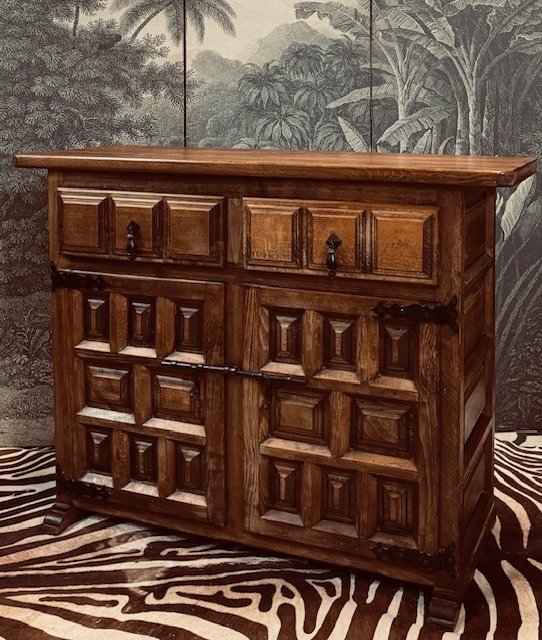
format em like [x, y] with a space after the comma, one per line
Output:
[443, 610]
[59, 517]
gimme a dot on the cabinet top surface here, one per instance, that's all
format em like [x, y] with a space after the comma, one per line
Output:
[379, 167]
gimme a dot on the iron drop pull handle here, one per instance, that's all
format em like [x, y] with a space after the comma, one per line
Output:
[131, 231]
[333, 243]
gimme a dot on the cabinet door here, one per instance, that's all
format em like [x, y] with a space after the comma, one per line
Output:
[148, 434]
[342, 455]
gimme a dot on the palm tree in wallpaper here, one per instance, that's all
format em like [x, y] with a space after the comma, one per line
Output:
[139, 14]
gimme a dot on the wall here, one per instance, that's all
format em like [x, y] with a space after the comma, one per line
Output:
[457, 76]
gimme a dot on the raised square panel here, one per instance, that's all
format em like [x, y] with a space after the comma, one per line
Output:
[398, 349]
[176, 399]
[143, 459]
[340, 343]
[141, 322]
[383, 427]
[142, 209]
[300, 415]
[343, 221]
[285, 336]
[82, 219]
[194, 230]
[272, 233]
[189, 327]
[396, 504]
[108, 388]
[190, 469]
[96, 317]
[339, 496]
[404, 242]
[99, 450]
[285, 479]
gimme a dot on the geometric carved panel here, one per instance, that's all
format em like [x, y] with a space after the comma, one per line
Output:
[82, 221]
[141, 323]
[338, 496]
[143, 463]
[300, 415]
[395, 506]
[285, 485]
[272, 233]
[176, 399]
[285, 336]
[397, 350]
[194, 230]
[108, 388]
[96, 317]
[383, 427]
[143, 209]
[99, 450]
[345, 222]
[403, 243]
[340, 343]
[190, 468]
[189, 327]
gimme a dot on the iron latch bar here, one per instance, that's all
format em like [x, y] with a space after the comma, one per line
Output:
[64, 279]
[235, 371]
[442, 560]
[443, 314]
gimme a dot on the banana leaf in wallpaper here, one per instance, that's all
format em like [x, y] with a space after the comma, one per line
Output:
[422, 76]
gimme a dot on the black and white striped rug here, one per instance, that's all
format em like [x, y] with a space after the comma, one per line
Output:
[105, 579]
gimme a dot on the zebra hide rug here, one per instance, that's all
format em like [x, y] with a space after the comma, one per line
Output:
[105, 579]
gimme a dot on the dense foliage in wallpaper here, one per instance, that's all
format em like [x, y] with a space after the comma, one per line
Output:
[440, 76]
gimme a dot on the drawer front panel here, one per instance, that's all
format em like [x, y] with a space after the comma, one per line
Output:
[142, 226]
[395, 242]
[340, 451]
[143, 429]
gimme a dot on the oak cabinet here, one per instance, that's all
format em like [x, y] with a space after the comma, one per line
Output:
[289, 350]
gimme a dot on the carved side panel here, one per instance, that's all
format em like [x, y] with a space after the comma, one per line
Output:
[272, 233]
[143, 459]
[285, 479]
[396, 505]
[404, 242]
[96, 317]
[194, 230]
[190, 469]
[108, 387]
[141, 322]
[82, 218]
[398, 349]
[384, 427]
[300, 415]
[99, 449]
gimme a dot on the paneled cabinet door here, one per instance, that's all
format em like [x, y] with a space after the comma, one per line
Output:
[132, 422]
[340, 438]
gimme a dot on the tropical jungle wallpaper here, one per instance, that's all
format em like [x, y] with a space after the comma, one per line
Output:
[422, 76]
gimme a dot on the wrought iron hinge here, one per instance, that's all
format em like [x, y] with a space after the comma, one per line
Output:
[234, 371]
[62, 279]
[442, 560]
[444, 314]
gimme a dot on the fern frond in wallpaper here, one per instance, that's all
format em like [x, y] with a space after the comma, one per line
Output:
[422, 76]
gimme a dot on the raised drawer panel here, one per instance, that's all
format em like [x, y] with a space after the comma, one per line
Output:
[144, 210]
[273, 233]
[82, 221]
[404, 243]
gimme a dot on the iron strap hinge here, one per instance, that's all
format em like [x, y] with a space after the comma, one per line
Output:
[443, 314]
[442, 560]
[234, 371]
[64, 279]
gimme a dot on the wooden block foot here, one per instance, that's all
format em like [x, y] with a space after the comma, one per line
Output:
[443, 610]
[59, 517]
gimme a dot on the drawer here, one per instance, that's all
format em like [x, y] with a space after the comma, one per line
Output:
[141, 226]
[343, 239]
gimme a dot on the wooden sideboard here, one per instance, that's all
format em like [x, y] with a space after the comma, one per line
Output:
[290, 350]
